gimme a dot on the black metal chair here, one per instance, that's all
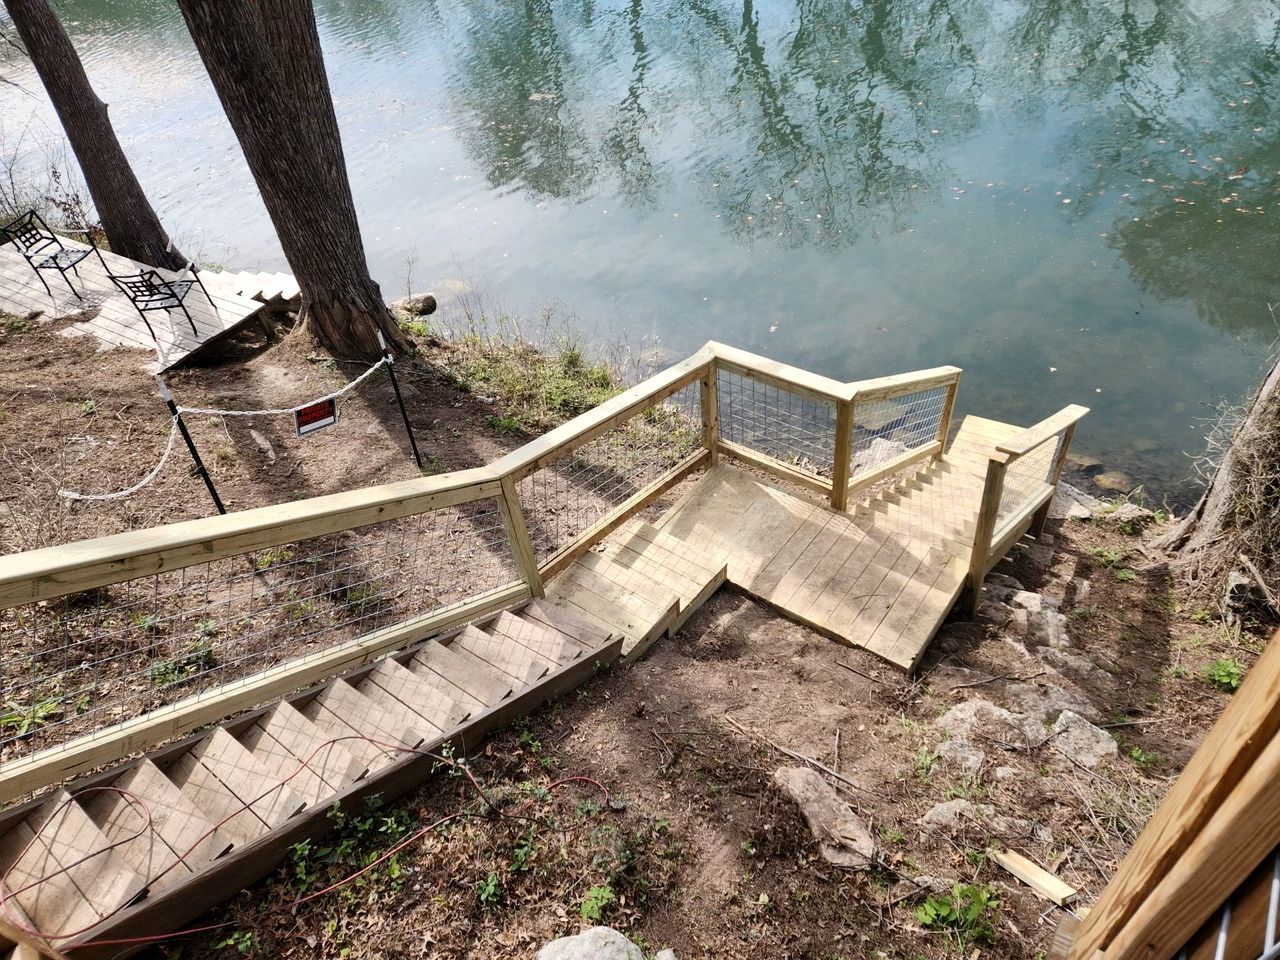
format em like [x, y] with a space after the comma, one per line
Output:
[42, 248]
[148, 291]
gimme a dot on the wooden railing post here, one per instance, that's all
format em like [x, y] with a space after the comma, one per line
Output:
[709, 399]
[1055, 474]
[992, 491]
[844, 448]
[518, 534]
[948, 407]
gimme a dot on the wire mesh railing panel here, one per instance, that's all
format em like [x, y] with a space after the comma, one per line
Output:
[79, 663]
[1026, 479]
[565, 498]
[886, 429]
[792, 428]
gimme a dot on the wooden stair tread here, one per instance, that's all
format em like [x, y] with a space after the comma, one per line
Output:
[383, 719]
[418, 696]
[629, 578]
[543, 640]
[52, 903]
[179, 837]
[589, 635]
[515, 661]
[487, 684]
[446, 688]
[353, 739]
[290, 745]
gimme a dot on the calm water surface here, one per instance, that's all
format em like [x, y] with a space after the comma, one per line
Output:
[1076, 202]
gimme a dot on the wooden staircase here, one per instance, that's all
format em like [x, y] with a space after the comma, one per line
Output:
[157, 841]
[277, 289]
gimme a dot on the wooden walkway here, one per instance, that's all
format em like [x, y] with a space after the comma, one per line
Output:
[113, 320]
[882, 576]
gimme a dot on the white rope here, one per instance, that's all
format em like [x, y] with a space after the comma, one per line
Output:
[155, 472]
[283, 410]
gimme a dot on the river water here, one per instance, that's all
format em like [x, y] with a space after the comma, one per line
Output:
[1075, 202]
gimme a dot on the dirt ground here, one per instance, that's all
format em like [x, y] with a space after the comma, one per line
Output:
[678, 836]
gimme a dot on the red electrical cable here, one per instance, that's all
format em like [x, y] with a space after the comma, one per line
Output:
[6, 895]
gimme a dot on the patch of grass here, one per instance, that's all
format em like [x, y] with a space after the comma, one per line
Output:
[88, 408]
[271, 557]
[23, 720]
[925, 762]
[597, 902]
[1143, 760]
[967, 914]
[1225, 673]
[196, 658]
[1126, 575]
[1107, 556]
[503, 424]
[416, 328]
[536, 389]
[11, 324]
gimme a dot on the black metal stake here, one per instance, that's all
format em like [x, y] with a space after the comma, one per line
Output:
[395, 386]
[191, 446]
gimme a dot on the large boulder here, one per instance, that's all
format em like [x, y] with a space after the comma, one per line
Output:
[957, 816]
[598, 943]
[416, 305]
[1047, 701]
[979, 720]
[965, 757]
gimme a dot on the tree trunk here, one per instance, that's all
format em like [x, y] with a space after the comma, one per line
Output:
[265, 62]
[1239, 513]
[131, 226]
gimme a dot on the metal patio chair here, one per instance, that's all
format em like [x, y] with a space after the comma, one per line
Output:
[148, 292]
[43, 249]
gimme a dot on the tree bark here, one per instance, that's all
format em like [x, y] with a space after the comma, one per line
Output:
[1239, 512]
[131, 225]
[265, 61]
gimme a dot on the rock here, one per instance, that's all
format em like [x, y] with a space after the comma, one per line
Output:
[954, 816]
[1037, 555]
[982, 720]
[1048, 628]
[1073, 503]
[879, 450]
[964, 756]
[1130, 517]
[1033, 602]
[1085, 464]
[927, 881]
[1114, 481]
[1003, 580]
[1072, 665]
[995, 611]
[667, 954]
[264, 445]
[1079, 740]
[1005, 773]
[1079, 589]
[1047, 701]
[416, 304]
[843, 839]
[598, 943]
[1019, 623]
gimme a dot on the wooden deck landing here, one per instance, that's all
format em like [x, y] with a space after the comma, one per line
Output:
[117, 323]
[882, 576]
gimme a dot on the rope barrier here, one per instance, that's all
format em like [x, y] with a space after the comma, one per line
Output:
[155, 472]
[209, 411]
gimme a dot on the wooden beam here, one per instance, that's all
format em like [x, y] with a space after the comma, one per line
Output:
[948, 409]
[709, 400]
[844, 451]
[776, 467]
[518, 534]
[1055, 474]
[862, 481]
[73, 567]
[622, 513]
[988, 512]
[1039, 879]
[122, 739]
[28, 947]
[781, 375]
[1249, 725]
[1032, 437]
[900, 384]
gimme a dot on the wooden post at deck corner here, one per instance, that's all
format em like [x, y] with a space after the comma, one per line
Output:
[1055, 473]
[709, 401]
[948, 408]
[843, 452]
[992, 490]
[28, 947]
[518, 534]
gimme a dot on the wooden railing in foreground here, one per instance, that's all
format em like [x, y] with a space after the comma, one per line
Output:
[1217, 825]
[1022, 476]
[113, 645]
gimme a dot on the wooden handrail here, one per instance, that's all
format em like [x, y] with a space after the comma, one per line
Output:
[82, 565]
[783, 375]
[884, 388]
[1032, 437]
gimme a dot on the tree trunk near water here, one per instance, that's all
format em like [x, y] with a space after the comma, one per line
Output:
[265, 61]
[131, 225]
[1239, 513]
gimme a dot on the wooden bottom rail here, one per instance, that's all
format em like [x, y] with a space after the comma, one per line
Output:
[123, 739]
[768, 464]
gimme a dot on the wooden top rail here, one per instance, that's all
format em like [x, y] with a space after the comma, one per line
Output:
[883, 388]
[585, 427]
[787, 377]
[1032, 437]
[70, 568]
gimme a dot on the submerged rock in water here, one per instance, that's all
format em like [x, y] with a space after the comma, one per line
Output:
[1115, 481]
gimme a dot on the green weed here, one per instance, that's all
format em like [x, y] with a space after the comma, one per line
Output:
[597, 901]
[1107, 556]
[967, 914]
[196, 658]
[23, 720]
[1225, 672]
[1126, 575]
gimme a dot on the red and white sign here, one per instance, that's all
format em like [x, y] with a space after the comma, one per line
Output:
[316, 416]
